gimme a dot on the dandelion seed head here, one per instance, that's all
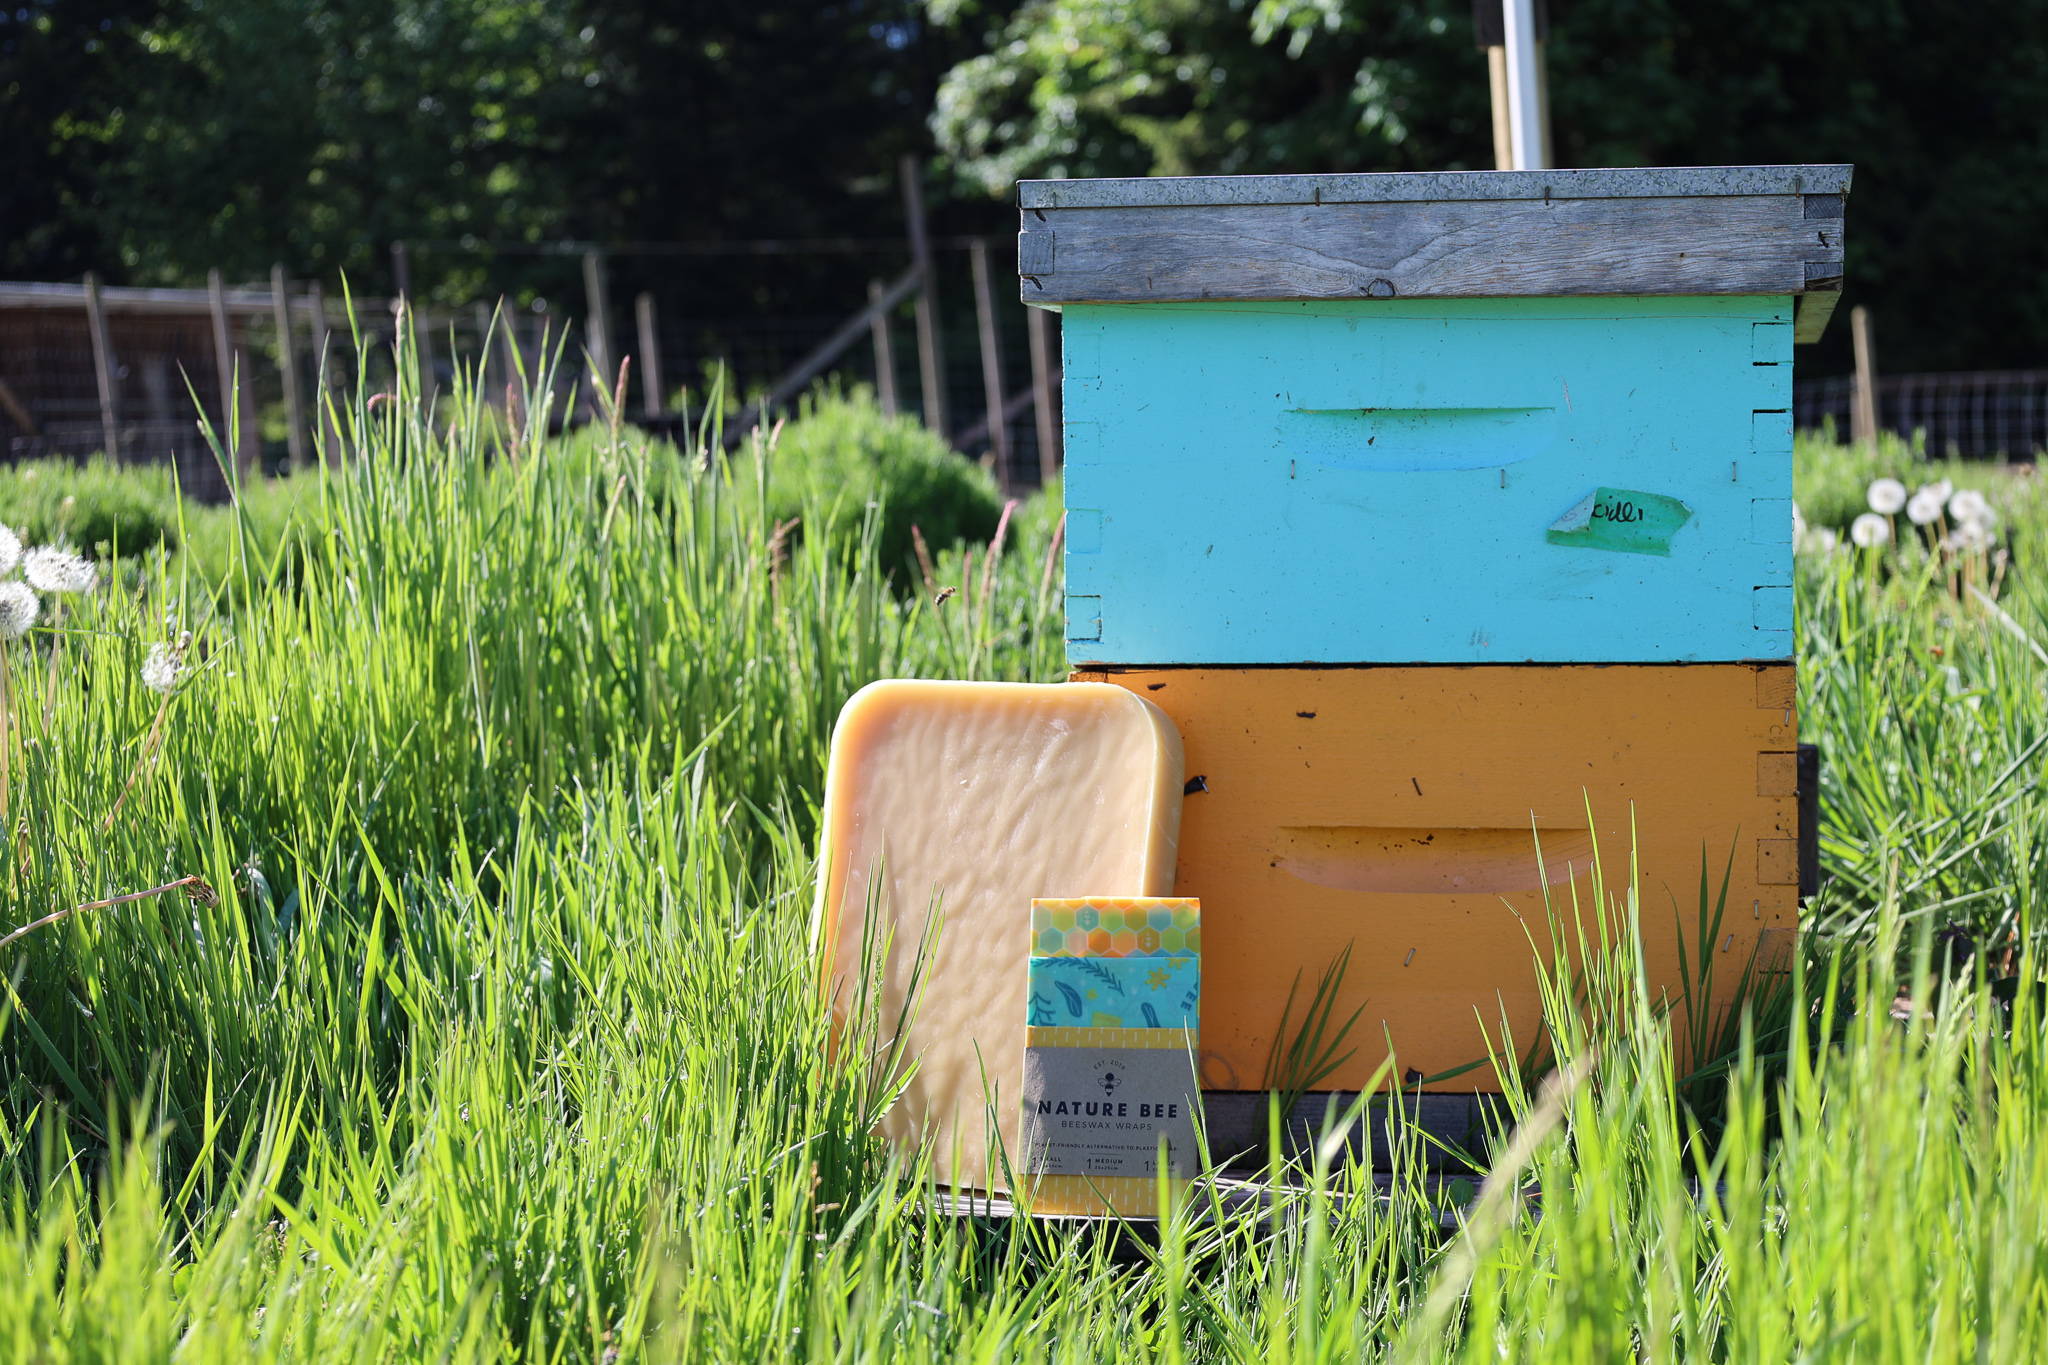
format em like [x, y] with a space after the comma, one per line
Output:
[1870, 530]
[19, 607]
[10, 550]
[1972, 507]
[1887, 496]
[162, 669]
[1924, 507]
[55, 570]
[1969, 538]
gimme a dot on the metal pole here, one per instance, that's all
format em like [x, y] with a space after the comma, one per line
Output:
[651, 400]
[1497, 89]
[930, 367]
[103, 367]
[288, 368]
[991, 361]
[1525, 108]
[885, 352]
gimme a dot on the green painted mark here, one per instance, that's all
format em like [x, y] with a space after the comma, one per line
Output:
[1621, 519]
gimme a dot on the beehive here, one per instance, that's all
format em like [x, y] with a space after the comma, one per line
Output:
[1441, 511]
[1397, 811]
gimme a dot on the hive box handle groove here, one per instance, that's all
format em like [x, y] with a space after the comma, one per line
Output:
[1417, 860]
[1416, 440]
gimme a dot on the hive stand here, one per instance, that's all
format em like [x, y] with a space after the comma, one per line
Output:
[1441, 511]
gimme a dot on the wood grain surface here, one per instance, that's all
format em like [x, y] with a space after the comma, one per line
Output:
[1758, 244]
[1596, 182]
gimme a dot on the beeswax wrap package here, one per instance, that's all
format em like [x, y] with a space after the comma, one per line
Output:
[1112, 1024]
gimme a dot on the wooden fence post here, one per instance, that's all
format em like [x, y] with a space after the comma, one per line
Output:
[1863, 411]
[508, 347]
[103, 367]
[824, 353]
[323, 381]
[224, 367]
[930, 354]
[480, 320]
[651, 401]
[1041, 395]
[322, 424]
[288, 367]
[419, 325]
[991, 360]
[598, 328]
[885, 352]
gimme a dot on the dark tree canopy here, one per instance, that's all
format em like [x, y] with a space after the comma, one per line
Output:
[153, 140]
[1941, 108]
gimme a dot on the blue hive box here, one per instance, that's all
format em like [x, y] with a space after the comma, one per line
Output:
[1475, 417]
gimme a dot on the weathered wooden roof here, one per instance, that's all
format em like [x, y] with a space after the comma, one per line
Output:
[1452, 234]
[1648, 182]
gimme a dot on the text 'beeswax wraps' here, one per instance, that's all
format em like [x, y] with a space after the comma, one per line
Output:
[1109, 1078]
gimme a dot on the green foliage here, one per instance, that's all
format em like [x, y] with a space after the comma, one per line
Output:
[1834, 477]
[839, 456]
[151, 141]
[494, 1032]
[271, 524]
[109, 510]
[98, 506]
[1946, 195]
[1182, 87]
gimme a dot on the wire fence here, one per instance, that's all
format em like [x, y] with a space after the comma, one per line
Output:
[1977, 414]
[164, 352]
[165, 369]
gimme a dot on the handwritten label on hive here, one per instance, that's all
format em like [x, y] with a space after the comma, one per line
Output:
[1621, 519]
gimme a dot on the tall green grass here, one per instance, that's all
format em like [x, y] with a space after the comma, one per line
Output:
[492, 1030]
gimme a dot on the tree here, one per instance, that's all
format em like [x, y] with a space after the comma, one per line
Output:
[1940, 109]
[1137, 87]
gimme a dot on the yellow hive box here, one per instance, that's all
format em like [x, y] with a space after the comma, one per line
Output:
[1390, 810]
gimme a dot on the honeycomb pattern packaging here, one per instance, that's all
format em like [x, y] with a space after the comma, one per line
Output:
[1125, 926]
[1111, 1030]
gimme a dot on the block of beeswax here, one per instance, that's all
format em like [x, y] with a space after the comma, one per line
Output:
[976, 798]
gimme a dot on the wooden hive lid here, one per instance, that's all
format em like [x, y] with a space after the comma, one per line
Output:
[1436, 235]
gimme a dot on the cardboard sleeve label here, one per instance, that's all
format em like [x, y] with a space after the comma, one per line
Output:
[1116, 926]
[1101, 1111]
[1114, 992]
